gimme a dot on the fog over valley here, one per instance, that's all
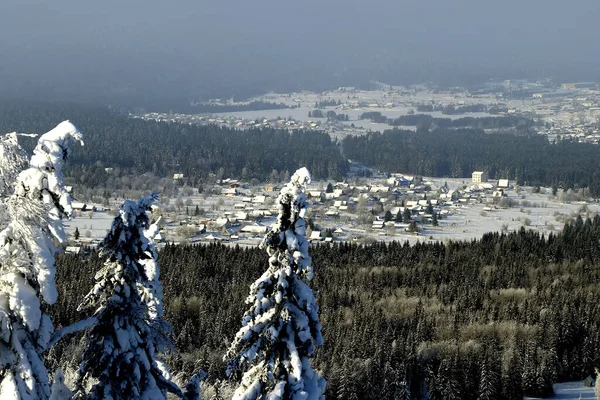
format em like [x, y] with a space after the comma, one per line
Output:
[151, 53]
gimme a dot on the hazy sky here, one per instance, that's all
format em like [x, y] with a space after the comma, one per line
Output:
[186, 49]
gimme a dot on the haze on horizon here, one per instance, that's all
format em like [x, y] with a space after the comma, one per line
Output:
[150, 53]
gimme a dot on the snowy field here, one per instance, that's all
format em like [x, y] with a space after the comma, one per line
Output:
[301, 114]
[538, 211]
[570, 391]
[91, 225]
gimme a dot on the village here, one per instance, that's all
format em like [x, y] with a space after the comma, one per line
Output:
[566, 111]
[371, 205]
[367, 206]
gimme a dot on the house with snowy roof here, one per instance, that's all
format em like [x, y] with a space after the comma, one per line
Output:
[241, 216]
[315, 236]
[254, 228]
[378, 224]
[222, 223]
[73, 249]
[229, 192]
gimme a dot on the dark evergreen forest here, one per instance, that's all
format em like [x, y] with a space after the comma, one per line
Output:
[426, 122]
[137, 147]
[530, 160]
[502, 316]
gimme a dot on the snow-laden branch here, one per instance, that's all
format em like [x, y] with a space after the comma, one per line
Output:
[69, 330]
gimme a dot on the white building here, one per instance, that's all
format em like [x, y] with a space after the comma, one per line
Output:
[479, 176]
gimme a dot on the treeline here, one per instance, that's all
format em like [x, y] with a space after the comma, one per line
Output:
[327, 103]
[137, 147]
[507, 315]
[529, 160]
[330, 115]
[451, 109]
[427, 122]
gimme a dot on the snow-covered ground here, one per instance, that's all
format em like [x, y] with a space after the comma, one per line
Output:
[301, 114]
[570, 391]
[91, 225]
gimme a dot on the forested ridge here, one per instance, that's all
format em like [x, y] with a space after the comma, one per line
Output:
[137, 146]
[530, 160]
[425, 121]
[505, 315]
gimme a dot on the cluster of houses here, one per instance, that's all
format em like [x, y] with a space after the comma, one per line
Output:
[248, 212]
[331, 126]
[334, 209]
[381, 205]
[233, 122]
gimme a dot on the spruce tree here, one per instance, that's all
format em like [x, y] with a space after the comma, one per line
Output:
[281, 329]
[388, 216]
[529, 370]
[512, 388]
[346, 389]
[429, 208]
[128, 330]
[398, 217]
[451, 387]
[35, 207]
[489, 384]
[406, 216]
[402, 392]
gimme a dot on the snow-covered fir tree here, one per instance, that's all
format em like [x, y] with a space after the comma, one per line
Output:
[127, 330]
[37, 202]
[281, 328]
[489, 383]
[13, 160]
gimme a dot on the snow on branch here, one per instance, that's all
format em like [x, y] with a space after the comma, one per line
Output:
[68, 330]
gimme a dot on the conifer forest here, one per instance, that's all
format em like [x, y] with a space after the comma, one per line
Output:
[496, 318]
